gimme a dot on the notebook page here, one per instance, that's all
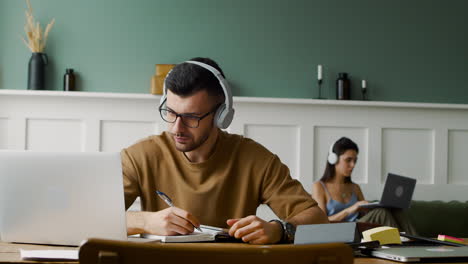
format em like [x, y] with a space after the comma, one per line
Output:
[194, 237]
[208, 234]
[49, 254]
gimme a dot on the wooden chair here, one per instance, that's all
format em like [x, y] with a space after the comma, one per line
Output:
[99, 251]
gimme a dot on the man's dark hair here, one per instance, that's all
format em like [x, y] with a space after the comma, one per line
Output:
[341, 146]
[186, 79]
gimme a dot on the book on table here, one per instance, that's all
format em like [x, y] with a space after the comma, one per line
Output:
[208, 234]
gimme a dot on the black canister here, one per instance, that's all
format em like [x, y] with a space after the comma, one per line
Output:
[69, 80]
[36, 71]
[343, 87]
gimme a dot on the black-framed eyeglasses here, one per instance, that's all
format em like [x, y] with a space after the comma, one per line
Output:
[188, 120]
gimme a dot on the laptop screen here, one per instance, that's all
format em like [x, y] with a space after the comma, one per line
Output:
[398, 191]
[60, 198]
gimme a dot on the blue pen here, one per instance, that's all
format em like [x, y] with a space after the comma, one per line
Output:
[168, 201]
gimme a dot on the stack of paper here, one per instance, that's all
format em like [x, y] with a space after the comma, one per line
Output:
[384, 234]
[49, 254]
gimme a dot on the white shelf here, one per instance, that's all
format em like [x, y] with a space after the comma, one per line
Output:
[240, 99]
[46, 93]
[348, 103]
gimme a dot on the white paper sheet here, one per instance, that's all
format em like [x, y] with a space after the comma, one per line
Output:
[49, 254]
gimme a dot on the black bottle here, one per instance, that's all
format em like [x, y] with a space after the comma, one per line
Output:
[343, 87]
[69, 80]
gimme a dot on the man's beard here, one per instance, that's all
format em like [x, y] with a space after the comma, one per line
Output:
[192, 145]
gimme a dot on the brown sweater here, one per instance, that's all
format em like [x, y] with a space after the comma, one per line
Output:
[240, 175]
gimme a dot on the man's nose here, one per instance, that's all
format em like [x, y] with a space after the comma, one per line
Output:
[177, 126]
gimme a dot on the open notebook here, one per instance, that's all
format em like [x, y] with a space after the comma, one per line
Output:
[209, 233]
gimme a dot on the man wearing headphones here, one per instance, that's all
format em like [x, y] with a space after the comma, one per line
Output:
[213, 177]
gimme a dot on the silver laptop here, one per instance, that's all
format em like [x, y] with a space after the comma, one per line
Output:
[397, 193]
[61, 198]
[416, 254]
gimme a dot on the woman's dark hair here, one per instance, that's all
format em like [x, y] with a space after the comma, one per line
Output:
[186, 79]
[339, 147]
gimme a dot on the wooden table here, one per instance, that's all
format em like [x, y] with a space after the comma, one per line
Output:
[9, 253]
[227, 253]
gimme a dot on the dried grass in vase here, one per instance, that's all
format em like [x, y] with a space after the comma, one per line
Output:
[36, 37]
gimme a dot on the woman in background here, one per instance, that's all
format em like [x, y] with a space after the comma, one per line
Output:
[340, 198]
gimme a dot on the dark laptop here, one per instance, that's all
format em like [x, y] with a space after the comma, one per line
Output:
[397, 193]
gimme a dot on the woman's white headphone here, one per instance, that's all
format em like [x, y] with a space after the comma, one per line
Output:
[332, 157]
[225, 113]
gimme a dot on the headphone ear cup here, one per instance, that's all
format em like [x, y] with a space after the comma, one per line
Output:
[227, 119]
[218, 118]
[223, 117]
[332, 158]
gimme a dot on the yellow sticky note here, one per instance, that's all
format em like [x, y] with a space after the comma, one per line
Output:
[384, 234]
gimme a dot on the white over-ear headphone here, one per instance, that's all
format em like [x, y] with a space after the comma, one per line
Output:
[332, 157]
[225, 113]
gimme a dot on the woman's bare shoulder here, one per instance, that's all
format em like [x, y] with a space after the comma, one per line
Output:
[356, 187]
[317, 186]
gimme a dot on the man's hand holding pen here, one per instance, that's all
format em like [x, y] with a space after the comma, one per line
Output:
[170, 221]
[173, 220]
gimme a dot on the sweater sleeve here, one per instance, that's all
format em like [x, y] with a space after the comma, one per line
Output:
[130, 179]
[285, 195]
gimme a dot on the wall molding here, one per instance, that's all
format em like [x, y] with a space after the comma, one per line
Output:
[240, 99]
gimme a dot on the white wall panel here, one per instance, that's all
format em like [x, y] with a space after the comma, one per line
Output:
[283, 140]
[54, 135]
[116, 135]
[3, 133]
[424, 141]
[458, 157]
[408, 152]
[325, 136]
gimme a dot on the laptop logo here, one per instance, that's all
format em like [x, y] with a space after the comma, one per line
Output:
[399, 191]
[441, 249]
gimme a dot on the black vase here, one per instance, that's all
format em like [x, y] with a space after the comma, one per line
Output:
[36, 71]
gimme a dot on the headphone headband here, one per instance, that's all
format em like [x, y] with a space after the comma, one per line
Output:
[224, 84]
[225, 113]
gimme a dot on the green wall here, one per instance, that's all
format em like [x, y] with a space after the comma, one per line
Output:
[407, 50]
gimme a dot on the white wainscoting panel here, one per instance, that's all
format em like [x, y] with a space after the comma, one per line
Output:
[457, 157]
[326, 136]
[424, 141]
[409, 152]
[54, 135]
[281, 140]
[3, 133]
[116, 135]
